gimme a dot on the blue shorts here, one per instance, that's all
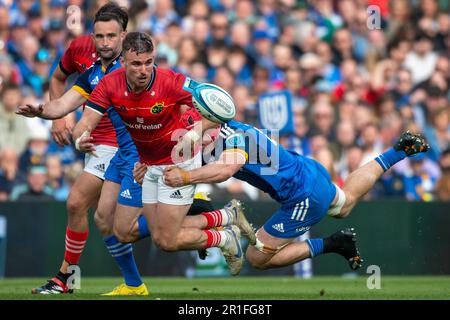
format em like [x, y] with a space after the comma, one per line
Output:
[120, 171]
[296, 218]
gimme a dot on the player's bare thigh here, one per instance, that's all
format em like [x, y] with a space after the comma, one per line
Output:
[271, 244]
[104, 215]
[85, 192]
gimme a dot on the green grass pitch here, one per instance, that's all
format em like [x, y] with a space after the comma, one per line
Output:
[248, 288]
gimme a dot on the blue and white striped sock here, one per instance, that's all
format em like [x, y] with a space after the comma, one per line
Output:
[123, 254]
[315, 246]
[389, 158]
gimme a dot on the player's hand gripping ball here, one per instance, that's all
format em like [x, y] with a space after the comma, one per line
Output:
[213, 103]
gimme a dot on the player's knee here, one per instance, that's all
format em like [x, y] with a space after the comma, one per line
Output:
[258, 264]
[350, 202]
[102, 223]
[76, 204]
[123, 234]
[345, 202]
[254, 259]
[343, 214]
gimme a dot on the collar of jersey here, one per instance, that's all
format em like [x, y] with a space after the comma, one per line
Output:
[110, 65]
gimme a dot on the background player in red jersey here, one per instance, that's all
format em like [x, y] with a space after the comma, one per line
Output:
[150, 100]
[86, 189]
[80, 55]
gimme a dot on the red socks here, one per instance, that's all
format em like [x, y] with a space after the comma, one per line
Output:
[75, 242]
[214, 218]
[214, 238]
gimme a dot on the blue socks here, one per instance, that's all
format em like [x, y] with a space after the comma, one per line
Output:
[389, 158]
[144, 232]
[315, 246]
[123, 254]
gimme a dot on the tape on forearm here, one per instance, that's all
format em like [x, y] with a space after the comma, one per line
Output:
[77, 141]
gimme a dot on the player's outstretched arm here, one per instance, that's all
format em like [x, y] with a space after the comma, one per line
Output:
[54, 109]
[82, 131]
[61, 128]
[221, 170]
[57, 84]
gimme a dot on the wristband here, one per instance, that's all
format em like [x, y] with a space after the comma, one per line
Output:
[186, 176]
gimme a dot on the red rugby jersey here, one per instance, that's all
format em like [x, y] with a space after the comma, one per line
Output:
[80, 55]
[150, 116]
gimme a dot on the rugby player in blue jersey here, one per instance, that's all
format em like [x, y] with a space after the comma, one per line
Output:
[301, 185]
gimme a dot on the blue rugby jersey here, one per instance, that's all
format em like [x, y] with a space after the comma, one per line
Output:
[285, 175]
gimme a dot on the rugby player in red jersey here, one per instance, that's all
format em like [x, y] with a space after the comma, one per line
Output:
[80, 55]
[150, 101]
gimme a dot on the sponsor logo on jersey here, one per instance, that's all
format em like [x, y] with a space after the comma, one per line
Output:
[176, 195]
[126, 194]
[95, 81]
[279, 227]
[157, 107]
[302, 229]
[140, 126]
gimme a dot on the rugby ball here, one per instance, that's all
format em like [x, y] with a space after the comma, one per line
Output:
[213, 103]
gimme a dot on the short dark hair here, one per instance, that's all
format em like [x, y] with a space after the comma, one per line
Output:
[112, 11]
[138, 42]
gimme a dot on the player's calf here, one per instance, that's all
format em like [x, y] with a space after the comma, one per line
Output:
[362, 180]
[125, 234]
[165, 241]
[265, 248]
[103, 223]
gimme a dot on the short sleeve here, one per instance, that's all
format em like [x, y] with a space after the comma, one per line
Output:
[180, 88]
[67, 62]
[99, 99]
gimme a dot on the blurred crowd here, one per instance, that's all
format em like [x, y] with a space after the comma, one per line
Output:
[357, 77]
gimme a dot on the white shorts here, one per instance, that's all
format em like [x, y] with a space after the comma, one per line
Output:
[154, 189]
[98, 165]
